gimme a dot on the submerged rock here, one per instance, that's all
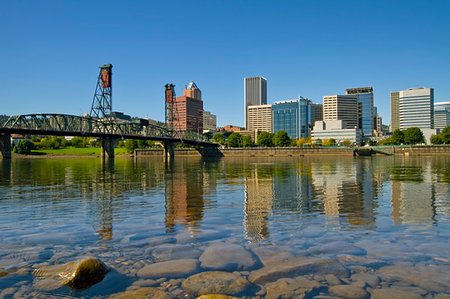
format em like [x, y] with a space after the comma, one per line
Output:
[298, 287]
[216, 296]
[78, 275]
[216, 282]
[298, 267]
[353, 291]
[153, 293]
[227, 257]
[170, 269]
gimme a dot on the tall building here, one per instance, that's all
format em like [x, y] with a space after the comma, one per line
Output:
[259, 118]
[395, 110]
[255, 93]
[316, 113]
[188, 110]
[292, 116]
[441, 115]
[341, 107]
[365, 99]
[416, 108]
[209, 121]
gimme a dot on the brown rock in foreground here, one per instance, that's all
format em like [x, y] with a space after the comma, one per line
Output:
[170, 269]
[153, 293]
[216, 282]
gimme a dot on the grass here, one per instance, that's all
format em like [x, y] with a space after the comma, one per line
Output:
[73, 151]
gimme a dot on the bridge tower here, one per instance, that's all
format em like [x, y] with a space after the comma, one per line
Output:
[102, 102]
[171, 117]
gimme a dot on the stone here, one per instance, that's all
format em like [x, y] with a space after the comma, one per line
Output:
[153, 293]
[372, 280]
[434, 278]
[337, 247]
[353, 260]
[349, 291]
[3, 273]
[216, 282]
[298, 287]
[170, 269]
[174, 252]
[78, 275]
[297, 267]
[272, 254]
[216, 296]
[145, 283]
[332, 280]
[227, 257]
[389, 293]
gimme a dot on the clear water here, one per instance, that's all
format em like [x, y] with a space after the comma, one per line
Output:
[52, 211]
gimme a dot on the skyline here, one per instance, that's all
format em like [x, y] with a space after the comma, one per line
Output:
[51, 51]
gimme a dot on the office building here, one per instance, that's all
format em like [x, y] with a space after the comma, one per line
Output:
[260, 118]
[395, 110]
[316, 113]
[416, 108]
[366, 114]
[209, 121]
[188, 110]
[441, 115]
[255, 93]
[292, 116]
[337, 130]
[341, 107]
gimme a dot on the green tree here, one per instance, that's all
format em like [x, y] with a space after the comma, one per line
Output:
[247, 141]
[398, 137]
[281, 138]
[413, 136]
[445, 134]
[234, 140]
[24, 147]
[131, 145]
[218, 138]
[329, 142]
[437, 139]
[265, 139]
[346, 142]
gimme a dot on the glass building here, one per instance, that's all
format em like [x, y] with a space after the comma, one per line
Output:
[365, 102]
[441, 115]
[292, 116]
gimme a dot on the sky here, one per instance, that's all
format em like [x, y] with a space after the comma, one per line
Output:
[51, 50]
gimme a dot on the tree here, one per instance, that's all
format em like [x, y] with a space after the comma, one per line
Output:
[346, 142]
[24, 147]
[413, 136]
[218, 138]
[247, 141]
[437, 139]
[131, 145]
[234, 140]
[445, 135]
[329, 142]
[281, 138]
[265, 139]
[398, 137]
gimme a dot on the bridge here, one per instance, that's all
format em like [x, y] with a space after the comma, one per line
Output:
[100, 124]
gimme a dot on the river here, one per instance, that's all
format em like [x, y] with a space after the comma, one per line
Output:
[312, 227]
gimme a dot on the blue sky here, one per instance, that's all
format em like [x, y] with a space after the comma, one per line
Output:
[50, 51]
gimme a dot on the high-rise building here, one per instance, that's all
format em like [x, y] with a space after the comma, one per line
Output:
[365, 99]
[260, 118]
[209, 121]
[292, 116]
[316, 113]
[188, 110]
[441, 115]
[341, 107]
[416, 108]
[395, 110]
[255, 93]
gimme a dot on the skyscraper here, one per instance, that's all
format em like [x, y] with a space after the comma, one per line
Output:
[441, 115]
[416, 108]
[255, 93]
[188, 110]
[395, 110]
[341, 107]
[292, 116]
[365, 99]
[260, 118]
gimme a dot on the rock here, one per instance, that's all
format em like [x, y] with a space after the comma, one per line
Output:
[371, 279]
[227, 257]
[153, 293]
[174, 252]
[216, 282]
[291, 288]
[297, 267]
[434, 278]
[170, 269]
[78, 275]
[273, 254]
[145, 283]
[332, 280]
[3, 273]
[216, 296]
[353, 260]
[349, 292]
[393, 292]
[338, 247]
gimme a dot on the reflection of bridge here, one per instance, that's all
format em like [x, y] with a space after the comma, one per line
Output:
[99, 124]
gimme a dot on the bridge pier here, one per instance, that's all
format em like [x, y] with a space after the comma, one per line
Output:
[108, 147]
[169, 151]
[5, 146]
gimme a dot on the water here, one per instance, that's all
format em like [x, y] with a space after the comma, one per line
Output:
[384, 220]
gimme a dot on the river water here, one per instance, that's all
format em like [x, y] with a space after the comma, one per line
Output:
[316, 227]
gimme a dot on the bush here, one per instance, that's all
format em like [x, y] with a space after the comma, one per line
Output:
[24, 147]
[281, 138]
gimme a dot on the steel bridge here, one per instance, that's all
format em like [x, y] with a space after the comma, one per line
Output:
[100, 124]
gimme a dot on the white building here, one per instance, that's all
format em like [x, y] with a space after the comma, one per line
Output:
[416, 108]
[336, 129]
[441, 115]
